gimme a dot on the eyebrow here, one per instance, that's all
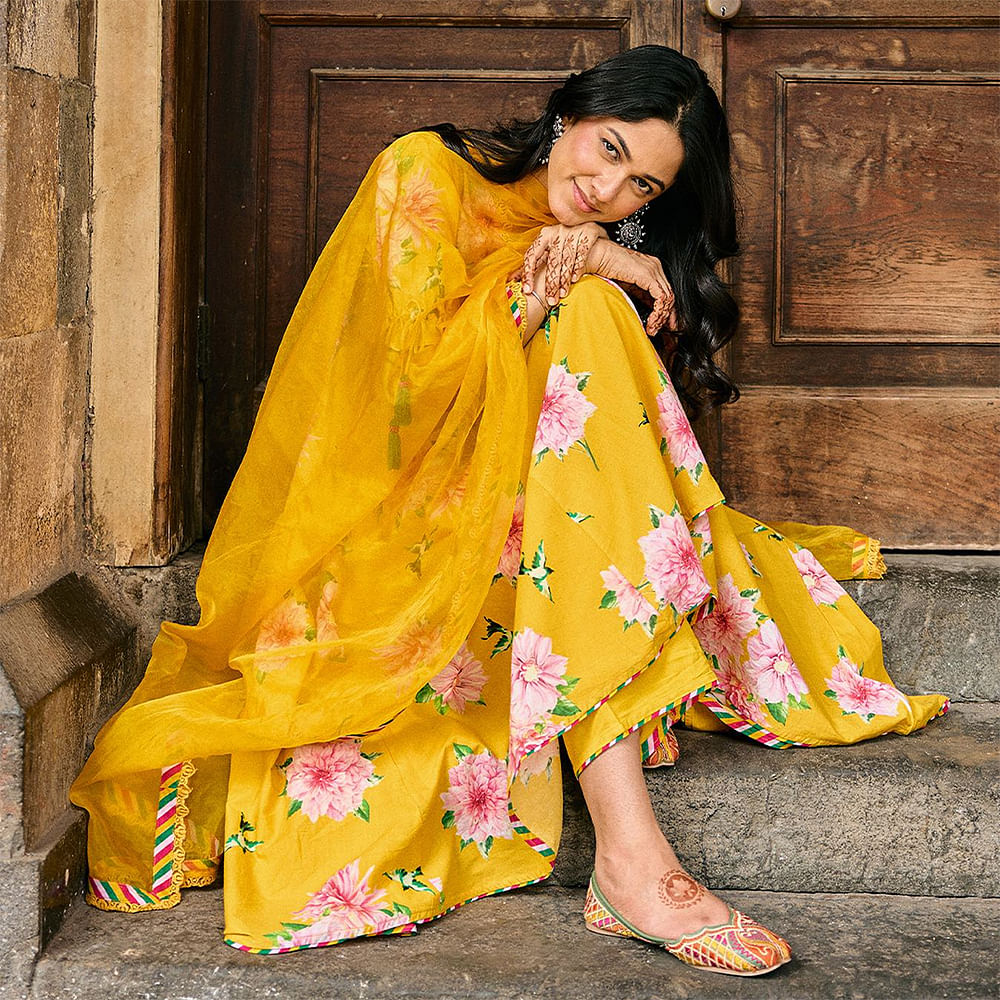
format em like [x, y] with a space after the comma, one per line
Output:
[628, 156]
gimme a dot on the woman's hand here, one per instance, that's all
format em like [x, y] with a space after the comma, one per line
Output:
[644, 273]
[563, 252]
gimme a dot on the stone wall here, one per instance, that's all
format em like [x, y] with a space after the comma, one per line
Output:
[46, 102]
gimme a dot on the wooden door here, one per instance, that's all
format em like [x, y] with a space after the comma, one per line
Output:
[304, 93]
[865, 138]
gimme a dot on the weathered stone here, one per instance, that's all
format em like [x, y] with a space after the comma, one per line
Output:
[67, 656]
[88, 39]
[76, 101]
[42, 398]
[533, 943]
[940, 622]
[29, 266]
[43, 36]
[913, 814]
[159, 593]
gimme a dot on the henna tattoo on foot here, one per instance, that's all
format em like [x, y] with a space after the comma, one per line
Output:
[678, 890]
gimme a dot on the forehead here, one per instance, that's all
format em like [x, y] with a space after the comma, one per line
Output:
[653, 145]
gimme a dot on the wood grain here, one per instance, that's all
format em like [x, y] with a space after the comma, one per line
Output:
[917, 470]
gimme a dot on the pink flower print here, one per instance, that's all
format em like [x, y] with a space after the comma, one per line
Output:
[413, 648]
[510, 558]
[286, 625]
[672, 565]
[736, 687]
[632, 606]
[477, 798]
[732, 619]
[535, 676]
[774, 673]
[461, 681]
[538, 762]
[701, 529]
[348, 901]
[564, 412]
[329, 779]
[529, 738]
[822, 587]
[326, 625]
[862, 695]
[676, 431]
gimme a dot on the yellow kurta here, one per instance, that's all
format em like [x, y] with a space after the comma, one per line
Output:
[441, 552]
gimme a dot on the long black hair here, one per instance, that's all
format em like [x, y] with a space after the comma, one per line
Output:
[690, 227]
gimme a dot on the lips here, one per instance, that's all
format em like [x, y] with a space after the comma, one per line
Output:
[581, 202]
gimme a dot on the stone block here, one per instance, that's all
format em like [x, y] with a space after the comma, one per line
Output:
[43, 36]
[159, 593]
[67, 656]
[917, 814]
[67, 659]
[940, 622]
[75, 105]
[42, 397]
[29, 265]
[532, 944]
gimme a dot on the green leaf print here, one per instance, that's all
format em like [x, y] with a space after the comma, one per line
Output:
[294, 807]
[758, 528]
[411, 879]
[485, 847]
[425, 694]
[609, 600]
[654, 515]
[778, 711]
[538, 572]
[506, 637]
[579, 518]
[645, 415]
[461, 750]
[586, 447]
[396, 909]
[242, 838]
[565, 707]
[311, 634]
[448, 819]
[363, 811]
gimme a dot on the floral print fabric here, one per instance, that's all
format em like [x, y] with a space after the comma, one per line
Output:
[539, 551]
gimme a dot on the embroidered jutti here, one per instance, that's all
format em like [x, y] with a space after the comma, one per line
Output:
[443, 550]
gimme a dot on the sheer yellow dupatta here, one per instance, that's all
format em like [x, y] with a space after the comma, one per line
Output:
[399, 387]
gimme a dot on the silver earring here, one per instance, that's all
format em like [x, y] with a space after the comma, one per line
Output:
[557, 131]
[630, 232]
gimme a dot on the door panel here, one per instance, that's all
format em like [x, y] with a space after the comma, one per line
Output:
[303, 95]
[864, 138]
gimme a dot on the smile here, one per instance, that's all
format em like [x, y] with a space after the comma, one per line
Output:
[581, 201]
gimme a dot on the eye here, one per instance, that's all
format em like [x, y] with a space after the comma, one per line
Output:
[643, 185]
[610, 148]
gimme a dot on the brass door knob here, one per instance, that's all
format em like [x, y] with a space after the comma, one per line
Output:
[723, 10]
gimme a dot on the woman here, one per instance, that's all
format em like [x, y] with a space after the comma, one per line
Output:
[473, 518]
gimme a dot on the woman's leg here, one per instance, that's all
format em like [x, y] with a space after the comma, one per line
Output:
[635, 866]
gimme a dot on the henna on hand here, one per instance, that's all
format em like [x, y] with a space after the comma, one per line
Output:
[678, 890]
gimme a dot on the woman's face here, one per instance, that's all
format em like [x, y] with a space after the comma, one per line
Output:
[602, 169]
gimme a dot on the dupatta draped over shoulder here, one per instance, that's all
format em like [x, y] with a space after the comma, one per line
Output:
[400, 383]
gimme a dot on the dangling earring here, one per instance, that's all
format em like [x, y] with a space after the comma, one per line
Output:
[630, 232]
[557, 131]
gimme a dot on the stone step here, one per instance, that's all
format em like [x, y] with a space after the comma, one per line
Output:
[533, 944]
[940, 622]
[939, 616]
[916, 814]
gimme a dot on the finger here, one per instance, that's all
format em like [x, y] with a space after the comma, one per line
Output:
[566, 268]
[532, 259]
[580, 258]
[552, 272]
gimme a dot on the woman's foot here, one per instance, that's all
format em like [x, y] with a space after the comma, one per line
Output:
[654, 893]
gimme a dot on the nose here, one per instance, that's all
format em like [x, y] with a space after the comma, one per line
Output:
[608, 184]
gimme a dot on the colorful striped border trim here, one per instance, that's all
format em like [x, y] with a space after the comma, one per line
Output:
[517, 303]
[409, 928]
[659, 713]
[535, 843]
[168, 853]
[740, 725]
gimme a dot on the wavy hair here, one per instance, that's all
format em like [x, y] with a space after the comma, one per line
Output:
[690, 227]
